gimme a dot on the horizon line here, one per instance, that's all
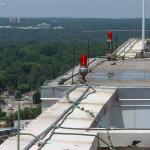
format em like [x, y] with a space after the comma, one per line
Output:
[75, 17]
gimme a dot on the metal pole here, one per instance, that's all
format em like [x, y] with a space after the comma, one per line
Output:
[18, 127]
[143, 24]
[88, 50]
[74, 55]
[116, 44]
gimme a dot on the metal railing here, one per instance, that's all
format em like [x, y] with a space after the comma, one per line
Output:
[46, 131]
[126, 47]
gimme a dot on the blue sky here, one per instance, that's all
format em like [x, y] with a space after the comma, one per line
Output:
[73, 8]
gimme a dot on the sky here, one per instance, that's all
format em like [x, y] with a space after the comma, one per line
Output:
[73, 8]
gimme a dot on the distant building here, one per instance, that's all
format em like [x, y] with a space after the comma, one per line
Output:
[58, 27]
[54, 21]
[29, 96]
[2, 124]
[14, 20]
[43, 25]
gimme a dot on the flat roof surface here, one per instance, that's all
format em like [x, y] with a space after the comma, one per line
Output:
[129, 72]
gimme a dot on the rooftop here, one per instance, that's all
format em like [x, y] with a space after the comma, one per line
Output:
[129, 72]
[112, 109]
[78, 118]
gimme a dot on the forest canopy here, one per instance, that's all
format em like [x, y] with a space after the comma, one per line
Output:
[29, 57]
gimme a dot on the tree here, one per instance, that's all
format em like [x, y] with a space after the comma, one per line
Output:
[23, 88]
[2, 83]
[37, 97]
[2, 114]
[9, 120]
[18, 95]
